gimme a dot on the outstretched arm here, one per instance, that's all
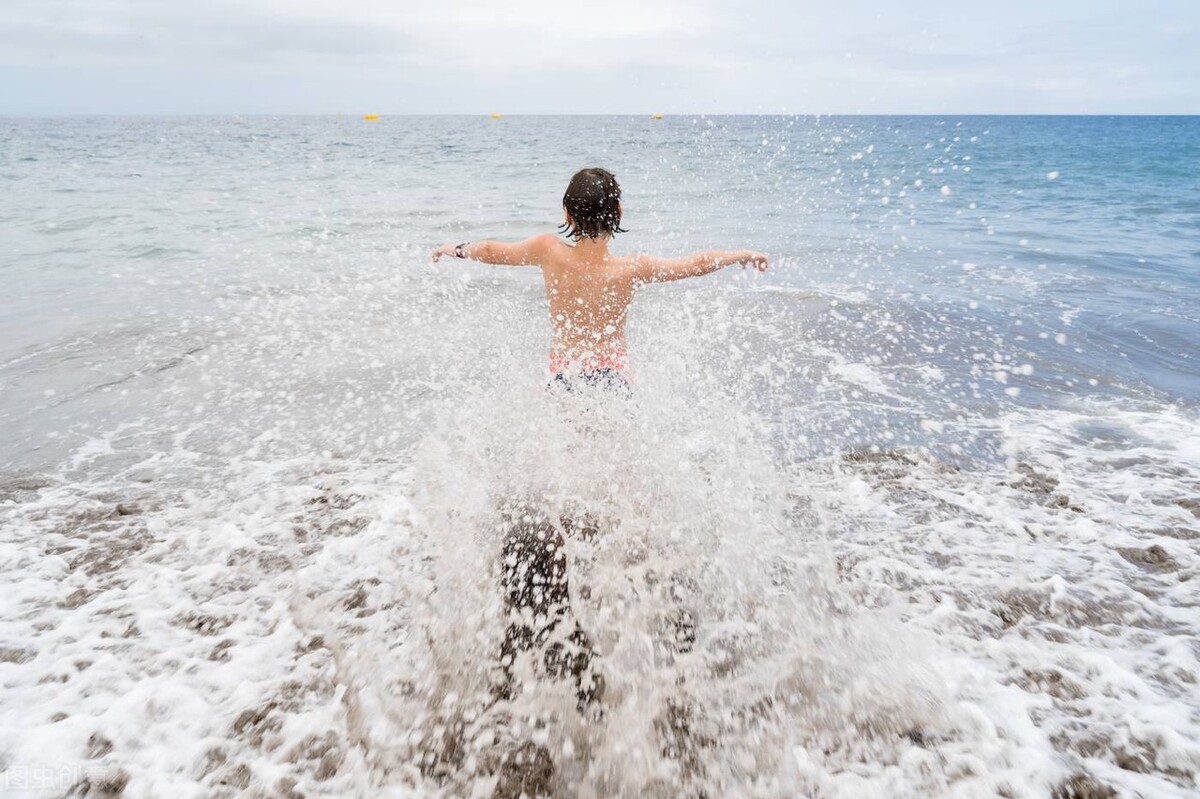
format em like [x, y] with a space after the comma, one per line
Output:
[522, 253]
[649, 269]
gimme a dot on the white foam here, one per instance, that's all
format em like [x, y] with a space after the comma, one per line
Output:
[293, 585]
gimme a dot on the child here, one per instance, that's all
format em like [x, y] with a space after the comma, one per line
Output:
[589, 290]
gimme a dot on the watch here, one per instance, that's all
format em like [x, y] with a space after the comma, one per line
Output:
[458, 250]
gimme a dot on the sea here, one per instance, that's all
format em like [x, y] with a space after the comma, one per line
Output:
[923, 497]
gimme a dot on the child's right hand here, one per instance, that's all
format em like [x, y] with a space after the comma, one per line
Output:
[757, 260]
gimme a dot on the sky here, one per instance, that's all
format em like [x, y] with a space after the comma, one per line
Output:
[608, 56]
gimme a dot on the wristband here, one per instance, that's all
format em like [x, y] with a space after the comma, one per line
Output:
[458, 250]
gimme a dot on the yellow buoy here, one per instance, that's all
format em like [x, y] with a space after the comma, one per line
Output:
[656, 115]
[495, 116]
[371, 117]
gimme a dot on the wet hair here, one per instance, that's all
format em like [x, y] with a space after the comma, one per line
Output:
[593, 203]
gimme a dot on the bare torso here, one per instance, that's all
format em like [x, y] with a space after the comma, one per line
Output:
[589, 292]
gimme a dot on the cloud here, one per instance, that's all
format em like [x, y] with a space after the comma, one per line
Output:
[620, 55]
[137, 32]
[467, 33]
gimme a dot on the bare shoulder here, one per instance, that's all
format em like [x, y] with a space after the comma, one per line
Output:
[635, 261]
[639, 265]
[547, 245]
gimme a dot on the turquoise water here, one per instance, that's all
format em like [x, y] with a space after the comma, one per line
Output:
[934, 477]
